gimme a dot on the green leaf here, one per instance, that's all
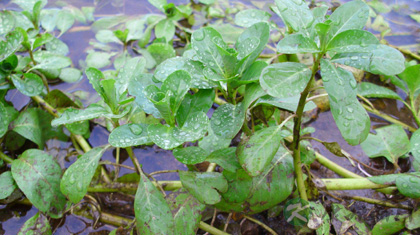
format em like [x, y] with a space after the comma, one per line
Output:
[35, 170]
[77, 177]
[107, 36]
[248, 17]
[256, 153]
[194, 128]
[28, 5]
[343, 219]
[204, 186]
[319, 220]
[64, 20]
[135, 28]
[414, 149]
[159, 4]
[201, 101]
[411, 76]
[70, 75]
[161, 102]
[226, 158]
[285, 79]
[297, 43]
[56, 46]
[129, 135]
[295, 14]
[48, 60]
[413, 222]
[161, 51]
[31, 85]
[128, 72]
[12, 43]
[4, 120]
[7, 184]
[165, 29]
[213, 142]
[352, 41]
[7, 22]
[98, 59]
[390, 142]
[252, 73]
[377, 59]
[37, 224]
[389, 225]
[289, 103]
[28, 125]
[153, 215]
[136, 88]
[163, 136]
[408, 184]
[349, 115]
[178, 83]
[352, 15]
[190, 155]
[39, 41]
[71, 115]
[49, 19]
[227, 120]
[370, 90]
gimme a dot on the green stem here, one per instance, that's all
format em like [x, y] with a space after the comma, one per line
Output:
[117, 161]
[260, 224]
[211, 229]
[376, 201]
[132, 187]
[348, 184]
[134, 159]
[388, 118]
[413, 110]
[5, 158]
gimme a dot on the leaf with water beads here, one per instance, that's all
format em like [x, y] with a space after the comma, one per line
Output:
[408, 185]
[30, 85]
[227, 120]
[370, 90]
[129, 135]
[163, 136]
[411, 76]
[48, 60]
[297, 43]
[71, 115]
[7, 22]
[248, 17]
[352, 41]
[415, 149]
[194, 128]
[201, 101]
[190, 155]
[77, 177]
[12, 43]
[295, 14]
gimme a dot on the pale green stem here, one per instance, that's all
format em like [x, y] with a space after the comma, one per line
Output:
[388, 118]
[5, 158]
[261, 224]
[347, 184]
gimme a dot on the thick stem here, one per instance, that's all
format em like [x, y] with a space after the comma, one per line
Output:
[388, 118]
[5, 158]
[347, 184]
[210, 229]
[134, 159]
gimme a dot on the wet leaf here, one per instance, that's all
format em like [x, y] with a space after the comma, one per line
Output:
[411, 76]
[49, 19]
[64, 20]
[256, 153]
[226, 158]
[319, 220]
[28, 5]
[41, 40]
[28, 125]
[129, 135]
[165, 29]
[352, 15]
[77, 177]
[79, 128]
[408, 185]
[136, 88]
[70, 75]
[204, 186]
[35, 170]
[344, 219]
[389, 225]
[289, 103]
[413, 221]
[48, 60]
[248, 17]
[57, 46]
[252, 73]
[7, 184]
[128, 72]
[178, 83]
[107, 36]
[194, 128]
[163, 136]
[213, 142]
[370, 90]
[98, 59]
[227, 120]
[161, 102]
[190, 155]
[71, 115]
[352, 41]
[30, 85]
[414, 149]
[295, 14]
[7, 22]
[390, 142]
[285, 79]
[37, 224]
[4, 122]
[297, 43]
[12, 43]
[135, 29]
[199, 102]
[349, 115]
[153, 215]
[161, 51]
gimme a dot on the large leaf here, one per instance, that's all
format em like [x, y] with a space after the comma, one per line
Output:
[7, 184]
[349, 115]
[204, 186]
[377, 59]
[153, 215]
[136, 88]
[163, 136]
[351, 41]
[37, 224]
[128, 72]
[389, 225]
[370, 90]
[295, 14]
[227, 120]
[77, 177]
[297, 43]
[48, 60]
[390, 142]
[30, 85]
[12, 43]
[190, 155]
[199, 102]
[411, 76]
[38, 176]
[71, 115]
[285, 79]
[352, 15]
[415, 149]
[194, 128]
[248, 17]
[129, 135]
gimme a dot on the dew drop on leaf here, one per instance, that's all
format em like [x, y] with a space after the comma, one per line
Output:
[136, 129]
[198, 35]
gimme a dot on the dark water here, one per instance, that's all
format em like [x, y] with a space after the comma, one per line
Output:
[405, 33]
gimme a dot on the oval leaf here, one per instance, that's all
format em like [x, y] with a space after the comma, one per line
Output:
[71, 115]
[30, 85]
[190, 155]
[352, 15]
[163, 136]
[297, 43]
[129, 135]
[7, 184]
[37, 224]
[370, 90]
[227, 120]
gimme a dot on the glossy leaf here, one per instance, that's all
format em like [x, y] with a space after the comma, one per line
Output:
[37, 224]
[199, 102]
[56, 46]
[161, 51]
[413, 222]
[48, 19]
[30, 85]
[161, 102]
[12, 43]
[297, 43]
[190, 155]
[349, 115]
[256, 153]
[213, 142]
[70, 75]
[129, 71]
[7, 22]
[248, 17]
[7, 184]
[389, 225]
[48, 60]
[342, 218]
[227, 120]
[77, 177]
[33, 170]
[289, 103]
[136, 88]
[64, 21]
[252, 73]
[178, 83]
[408, 184]
[390, 142]
[352, 15]
[415, 149]
[28, 125]
[285, 79]
[4, 121]
[165, 29]
[204, 186]
[411, 76]
[129, 135]
[351, 41]
[194, 128]
[252, 93]
[153, 215]
[295, 14]
[163, 136]
[226, 158]
[98, 59]
[377, 59]
[41, 40]
[370, 90]
[28, 5]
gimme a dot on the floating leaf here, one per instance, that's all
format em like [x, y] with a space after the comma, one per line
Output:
[77, 177]
[297, 43]
[390, 142]
[227, 120]
[37, 224]
[190, 155]
[7, 184]
[389, 225]
[370, 90]
[248, 17]
[129, 135]
[35, 170]
[285, 79]
[98, 59]
[30, 85]
[349, 115]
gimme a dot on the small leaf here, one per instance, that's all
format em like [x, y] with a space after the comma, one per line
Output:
[56, 46]
[98, 59]
[7, 184]
[389, 225]
[227, 120]
[129, 135]
[12, 43]
[153, 215]
[128, 72]
[135, 29]
[107, 36]
[390, 142]
[297, 43]
[37, 224]
[49, 19]
[70, 75]
[64, 21]
[48, 60]
[252, 73]
[178, 83]
[30, 85]
[165, 29]
[77, 177]
[35, 170]
[408, 184]
[136, 88]
[71, 115]
[370, 90]
[319, 220]
[248, 17]
[411, 76]
[226, 158]
[343, 219]
[285, 79]
[161, 51]
[28, 5]
[415, 149]
[334, 148]
[44, 38]
[28, 125]
[190, 155]
[163, 136]
[204, 186]
[351, 41]
[295, 14]
[413, 222]
[7, 22]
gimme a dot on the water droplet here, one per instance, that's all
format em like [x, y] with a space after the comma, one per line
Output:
[354, 57]
[340, 111]
[79, 186]
[217, 122]
[346, 124]
[350, 110]
[353, 83]
[281, 6]
[136, 129]
[198, 35]
[346, 62]
[72, 180]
